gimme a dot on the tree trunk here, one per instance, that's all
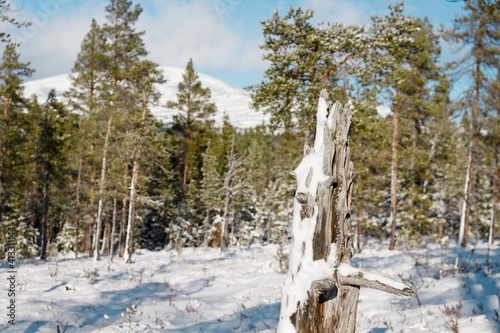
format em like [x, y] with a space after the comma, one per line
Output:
[321, 230]
[106, 240]
[123, 229]
[113, 230]
[102, 186]
[469, 179]
[89, 230]
[44, 224]
[129, 243]
[491, 237]
[78, 207]
[394, 171]
[228, 184]
[186, 159]
[320, 257]
[206, 226]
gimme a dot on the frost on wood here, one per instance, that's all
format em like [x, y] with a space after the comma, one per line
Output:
[321, 289]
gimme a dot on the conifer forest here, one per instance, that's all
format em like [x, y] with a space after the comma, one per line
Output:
[92, 173]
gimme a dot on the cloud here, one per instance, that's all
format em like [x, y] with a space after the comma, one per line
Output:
[175, 32]
[345, 12]
[53, 40]
[199, 30]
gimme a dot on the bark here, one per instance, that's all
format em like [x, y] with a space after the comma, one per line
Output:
[394, 171]
[122, 227]
[106, 240]
[102, 186]
[129, 243]
[323, 201]
[465, 203]
[335, 310]
[89, 230]
[469, 180]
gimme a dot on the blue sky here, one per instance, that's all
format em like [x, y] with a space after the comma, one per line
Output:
[221, 36]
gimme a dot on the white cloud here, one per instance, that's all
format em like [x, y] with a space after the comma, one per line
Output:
[175, 32]
[53, 40]
[182, 30]
[345, 12]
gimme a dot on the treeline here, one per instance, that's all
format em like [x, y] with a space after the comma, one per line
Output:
[95, 172]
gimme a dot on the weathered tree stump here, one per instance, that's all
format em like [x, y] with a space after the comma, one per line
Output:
[321, 289]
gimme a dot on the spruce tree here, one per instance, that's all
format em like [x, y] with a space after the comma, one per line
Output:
[51, 135]
[12, 123]
[423, 96]
[211, 189]
[14, 155]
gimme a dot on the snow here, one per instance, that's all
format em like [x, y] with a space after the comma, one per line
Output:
[202, 290]
[349, 271]
[303, 270]
[383, 110]
[231, 101]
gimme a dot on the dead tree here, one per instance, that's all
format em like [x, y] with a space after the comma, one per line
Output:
[321, 289]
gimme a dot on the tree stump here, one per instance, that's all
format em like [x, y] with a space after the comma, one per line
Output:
[321, 289]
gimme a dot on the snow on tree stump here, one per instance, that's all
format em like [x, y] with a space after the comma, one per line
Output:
[321, 289]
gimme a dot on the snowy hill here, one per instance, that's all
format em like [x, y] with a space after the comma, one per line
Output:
[231, 101]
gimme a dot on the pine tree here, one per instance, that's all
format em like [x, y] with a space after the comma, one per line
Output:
[146, 74]
[393, 45]
[371, 159]
[193, 102]
[477, 30]
[125, 50]
[303, 60]
[85, 96]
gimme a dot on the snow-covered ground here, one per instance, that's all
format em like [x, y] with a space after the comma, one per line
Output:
[200, 290]
[235, 103]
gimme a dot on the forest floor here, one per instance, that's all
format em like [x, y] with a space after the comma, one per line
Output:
[200, 290]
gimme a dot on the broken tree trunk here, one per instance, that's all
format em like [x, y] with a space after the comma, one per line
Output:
[321, 289]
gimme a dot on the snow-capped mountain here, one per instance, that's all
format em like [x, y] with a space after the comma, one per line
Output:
[231, 101]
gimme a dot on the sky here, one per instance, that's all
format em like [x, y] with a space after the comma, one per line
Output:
[221, 36]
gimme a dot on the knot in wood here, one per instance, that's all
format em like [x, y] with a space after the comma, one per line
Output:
[307, 202]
